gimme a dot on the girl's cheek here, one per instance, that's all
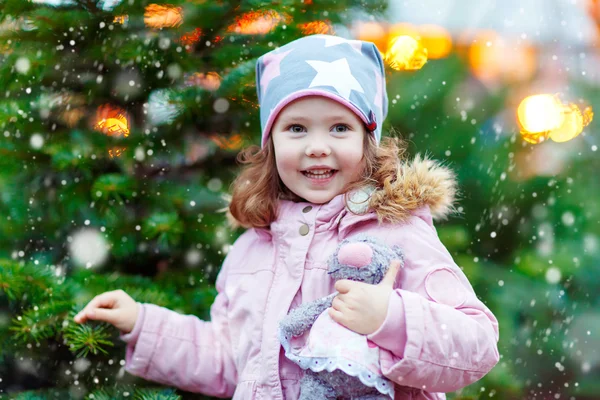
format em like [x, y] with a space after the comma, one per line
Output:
[287, 155]
[355, 163]
[283, 154]
[286, 161]
[353, 157]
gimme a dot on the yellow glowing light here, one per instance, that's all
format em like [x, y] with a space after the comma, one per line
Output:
[406, 53]
[113, 126]
[112, 121]
[116, 151]
[540, 114]
[573, 125]
[121, 19]
[545, 116]
[534, 138]
[163, 16]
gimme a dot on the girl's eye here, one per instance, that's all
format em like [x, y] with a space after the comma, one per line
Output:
[292, 128]
[346, 127]
[295, 126]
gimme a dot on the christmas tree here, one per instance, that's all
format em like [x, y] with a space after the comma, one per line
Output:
[119, 140]
[121, 122]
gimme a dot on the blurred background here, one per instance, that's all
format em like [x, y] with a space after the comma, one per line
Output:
[120, 122]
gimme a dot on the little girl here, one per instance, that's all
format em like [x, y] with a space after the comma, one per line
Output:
[308, 187]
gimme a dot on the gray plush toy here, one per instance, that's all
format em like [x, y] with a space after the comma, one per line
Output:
[338, 362]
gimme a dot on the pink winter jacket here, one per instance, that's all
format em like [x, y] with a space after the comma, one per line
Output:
[438, 335]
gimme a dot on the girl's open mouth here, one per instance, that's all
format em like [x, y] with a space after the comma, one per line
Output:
[319, 174]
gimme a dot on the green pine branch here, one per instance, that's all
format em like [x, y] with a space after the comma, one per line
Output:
[49, 304]
[83, 339]
[24, 281]
[40, 322]
[119, 392]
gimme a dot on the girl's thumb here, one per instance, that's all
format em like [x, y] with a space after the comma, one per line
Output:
[390, 276]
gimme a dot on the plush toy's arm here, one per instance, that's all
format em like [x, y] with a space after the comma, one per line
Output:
[304, 316]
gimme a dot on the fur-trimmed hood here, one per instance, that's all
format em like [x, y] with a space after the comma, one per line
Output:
[420, 182]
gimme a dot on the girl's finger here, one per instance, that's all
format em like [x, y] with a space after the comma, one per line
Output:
[390, 276]
[102, 314]
[339, 305]
[84, 315]
[341, 297]
[335, 304]
[343, 285]
[104, 300]
[336, 316]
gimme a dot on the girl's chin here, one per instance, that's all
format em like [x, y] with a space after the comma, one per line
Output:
[318, 197]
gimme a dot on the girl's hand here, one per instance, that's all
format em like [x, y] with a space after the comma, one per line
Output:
[362, 307]
[115, 307]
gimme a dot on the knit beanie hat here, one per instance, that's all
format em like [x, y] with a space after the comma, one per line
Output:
[350, 72]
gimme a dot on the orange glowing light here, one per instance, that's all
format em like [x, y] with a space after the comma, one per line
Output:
[593, 8]
[316, 27]
[436, 40]
[116, 151]
[121, 19]
[217, 39]
[209, 81]
[371, 32]
[404, 29]
[258, 22]
[112, 121]
[163, 16]
[494, 59]
[234, 142]
[191, 37]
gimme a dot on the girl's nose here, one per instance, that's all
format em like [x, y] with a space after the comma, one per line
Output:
[318, 149]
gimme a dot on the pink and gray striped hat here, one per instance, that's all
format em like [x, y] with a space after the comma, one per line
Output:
[350, 72]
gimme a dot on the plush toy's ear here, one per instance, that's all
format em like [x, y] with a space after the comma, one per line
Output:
[355, 254]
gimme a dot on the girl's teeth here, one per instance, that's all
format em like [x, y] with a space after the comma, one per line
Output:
[321, 175]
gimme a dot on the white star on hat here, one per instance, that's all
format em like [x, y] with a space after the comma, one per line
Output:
[336, 74]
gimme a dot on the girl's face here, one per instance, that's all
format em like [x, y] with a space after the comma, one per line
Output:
[318, 147]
